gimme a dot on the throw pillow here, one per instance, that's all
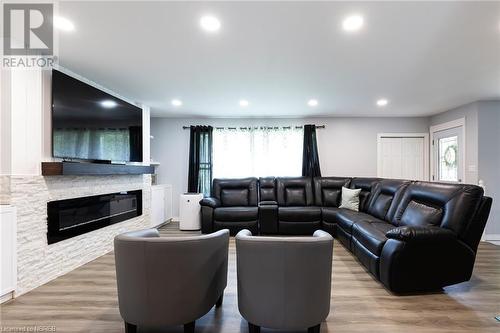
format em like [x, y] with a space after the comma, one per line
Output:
[350, 199]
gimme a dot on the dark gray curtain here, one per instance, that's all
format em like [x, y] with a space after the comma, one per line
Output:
[135, 133]
[200, 160]
[310, 158]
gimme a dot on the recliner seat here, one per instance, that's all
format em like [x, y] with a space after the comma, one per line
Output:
[328, 195]
[232, 205]
[296, 211]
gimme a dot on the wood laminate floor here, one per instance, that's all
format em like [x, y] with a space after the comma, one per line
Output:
[85, 300]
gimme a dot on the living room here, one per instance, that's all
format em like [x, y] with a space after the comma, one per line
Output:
[250, 166]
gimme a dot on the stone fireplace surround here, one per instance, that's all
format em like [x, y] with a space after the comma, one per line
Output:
[38, 262]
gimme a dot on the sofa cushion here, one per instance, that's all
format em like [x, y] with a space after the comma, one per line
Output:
[236, 226]
[371, 235]
[299, 214]
[235, 192]
[347, 218]
[267, 189]
[233, 214]
[385, 197]
[294, 191]
[420, 214]
[298, 228]
[295, 196]
[366, 185]
[331, 197]
[450, 206]
[234, 197]
[328, 190]
[380, 206]
[329, 214]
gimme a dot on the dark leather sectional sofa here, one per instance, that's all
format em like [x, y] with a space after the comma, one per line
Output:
[411, 235]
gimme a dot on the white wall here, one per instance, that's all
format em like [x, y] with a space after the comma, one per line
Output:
[489, 161]
[347, 146]
[5, 137]
[469, 112]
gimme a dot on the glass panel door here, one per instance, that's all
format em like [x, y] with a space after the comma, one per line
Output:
[448, 159]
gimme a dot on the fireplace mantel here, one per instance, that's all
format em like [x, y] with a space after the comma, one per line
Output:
[93, 169]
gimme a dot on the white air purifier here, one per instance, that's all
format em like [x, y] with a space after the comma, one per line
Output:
[190, 211]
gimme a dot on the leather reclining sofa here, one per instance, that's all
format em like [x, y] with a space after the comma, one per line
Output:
[411, 235]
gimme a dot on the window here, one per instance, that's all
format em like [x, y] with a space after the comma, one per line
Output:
[257, 152]
[447, 158]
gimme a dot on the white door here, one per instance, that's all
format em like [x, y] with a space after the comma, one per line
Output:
[402, 157]
[448, 157]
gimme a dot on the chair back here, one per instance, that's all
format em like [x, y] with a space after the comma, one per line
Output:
[165, 281]
[284, 282]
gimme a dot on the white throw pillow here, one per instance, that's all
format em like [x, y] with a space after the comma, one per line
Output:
[350, 199]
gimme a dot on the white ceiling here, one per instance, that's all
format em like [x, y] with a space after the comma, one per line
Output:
[424, 57]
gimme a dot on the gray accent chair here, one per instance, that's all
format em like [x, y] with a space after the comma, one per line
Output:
[166, 281]
[284, 282]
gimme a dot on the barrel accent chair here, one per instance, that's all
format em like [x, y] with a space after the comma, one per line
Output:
[169, 281]
[284, 282]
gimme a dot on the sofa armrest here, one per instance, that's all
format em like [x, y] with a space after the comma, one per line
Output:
[420, 234]
[267, 203]
[426, 259]
[210, 202]
[268, 217]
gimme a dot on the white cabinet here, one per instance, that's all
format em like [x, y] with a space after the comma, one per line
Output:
[161, 204]
[168, 201]
[8, 252]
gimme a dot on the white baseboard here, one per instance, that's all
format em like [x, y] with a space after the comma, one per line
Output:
[492, 237]
[6, 297]
[162, 224]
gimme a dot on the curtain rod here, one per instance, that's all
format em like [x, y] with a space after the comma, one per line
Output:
[258, 127]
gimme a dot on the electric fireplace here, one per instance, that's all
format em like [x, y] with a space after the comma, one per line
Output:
[72, 217]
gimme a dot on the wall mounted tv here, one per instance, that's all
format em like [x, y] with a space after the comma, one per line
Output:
[90, 124]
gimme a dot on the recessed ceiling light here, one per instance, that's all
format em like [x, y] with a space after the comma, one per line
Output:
[353, 23]
[210, 23]
[176, 102]
[62, 23]
[382, 102]
[244, 103]
[312, 102]
[108, 103]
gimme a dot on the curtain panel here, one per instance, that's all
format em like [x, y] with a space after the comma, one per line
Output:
[200, 160]
[310, 157]
[257, 152]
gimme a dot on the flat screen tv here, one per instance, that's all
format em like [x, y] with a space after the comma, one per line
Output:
[90, 124]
